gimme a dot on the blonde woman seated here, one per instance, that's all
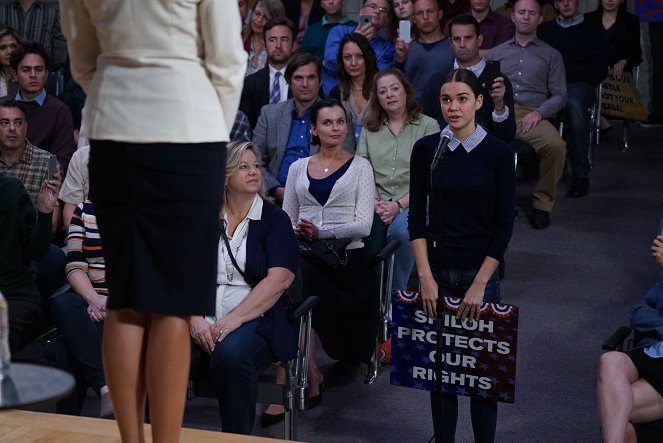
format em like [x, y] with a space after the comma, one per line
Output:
[630, 384]
[250, 329]
[330, 195]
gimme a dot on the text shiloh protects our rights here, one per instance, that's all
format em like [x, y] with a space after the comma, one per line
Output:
[458, 342]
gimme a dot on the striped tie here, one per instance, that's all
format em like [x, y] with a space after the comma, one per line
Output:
[275, 96]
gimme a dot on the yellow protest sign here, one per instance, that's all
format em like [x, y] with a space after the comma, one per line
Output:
[620, 98]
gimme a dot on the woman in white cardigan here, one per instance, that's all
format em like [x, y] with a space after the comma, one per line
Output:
[331, 195]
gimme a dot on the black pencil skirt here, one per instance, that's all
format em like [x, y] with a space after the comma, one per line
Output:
[651, 369]
[157, 207]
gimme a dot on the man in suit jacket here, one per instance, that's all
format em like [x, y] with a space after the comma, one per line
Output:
[283, 132]
[496, 114]
[259, 86]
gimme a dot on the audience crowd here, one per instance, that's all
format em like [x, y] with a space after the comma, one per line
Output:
[330, 112]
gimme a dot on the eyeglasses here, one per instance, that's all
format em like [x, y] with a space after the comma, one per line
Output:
[18, 123]
[380, 9]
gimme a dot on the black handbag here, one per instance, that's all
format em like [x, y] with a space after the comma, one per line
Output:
[330, 252]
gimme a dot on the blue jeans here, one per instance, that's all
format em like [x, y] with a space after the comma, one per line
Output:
[444, 407]
[234, 366]
[581, 98]
[81, 337]
[403, 257]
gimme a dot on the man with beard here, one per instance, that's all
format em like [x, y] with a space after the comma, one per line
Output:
[268, 85]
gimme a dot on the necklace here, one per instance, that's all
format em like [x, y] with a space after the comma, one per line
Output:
[326, 168]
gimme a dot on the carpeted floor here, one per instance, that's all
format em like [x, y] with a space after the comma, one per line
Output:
[574, 283]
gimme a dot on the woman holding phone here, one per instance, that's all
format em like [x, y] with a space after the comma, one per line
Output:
[475, 198]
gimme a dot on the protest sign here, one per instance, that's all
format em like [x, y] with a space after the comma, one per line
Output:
[479, 357]
[620, 99]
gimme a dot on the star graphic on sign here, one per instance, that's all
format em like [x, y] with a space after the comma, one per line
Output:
[493, 356]
[482, 393]
[509, 337]
[425, 359]
[419, 347]
[512, 382]
[406, 357]
[493, 380]
[484, 366]
[474, 353]
[511, 358]
[418, 386]
[461, 391]
[401, 345]
[505, 396]
[503, 368]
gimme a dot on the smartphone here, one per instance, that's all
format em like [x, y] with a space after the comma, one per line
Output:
[52, 166]
[404, 30]
[491, 72]
[365, 19]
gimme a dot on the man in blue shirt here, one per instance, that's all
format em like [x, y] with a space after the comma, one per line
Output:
[316, 34]
[283, 130]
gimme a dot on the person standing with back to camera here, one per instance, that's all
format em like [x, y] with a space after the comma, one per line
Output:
[163, 81]
[477, 194]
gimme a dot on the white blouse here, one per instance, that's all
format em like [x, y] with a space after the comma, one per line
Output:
[231, 287]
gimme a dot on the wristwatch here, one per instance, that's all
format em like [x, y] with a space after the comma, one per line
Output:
[400, 207]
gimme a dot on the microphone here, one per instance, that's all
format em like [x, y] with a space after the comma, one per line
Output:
[445, 138]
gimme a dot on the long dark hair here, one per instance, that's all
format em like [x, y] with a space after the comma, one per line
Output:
[370, 61]
[315, 110]
[375, 115]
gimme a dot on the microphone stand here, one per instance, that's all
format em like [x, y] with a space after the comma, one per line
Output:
[436, 198]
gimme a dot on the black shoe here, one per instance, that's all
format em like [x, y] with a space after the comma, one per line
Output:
[267, 420]
[540, 219]
[579, 187]
[312, 402]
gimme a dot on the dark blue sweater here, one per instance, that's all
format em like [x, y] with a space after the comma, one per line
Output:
[478, 200]
[271, 243]
[583, 48]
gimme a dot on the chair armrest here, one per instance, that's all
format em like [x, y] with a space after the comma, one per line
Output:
[388, 250]
[308, 304]
[614, 342]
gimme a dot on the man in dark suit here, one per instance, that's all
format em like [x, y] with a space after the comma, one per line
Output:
[268, 85]
[283, 132]
[496, 115]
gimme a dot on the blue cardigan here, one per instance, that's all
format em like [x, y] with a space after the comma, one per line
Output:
[271, 243]
[647, 319]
